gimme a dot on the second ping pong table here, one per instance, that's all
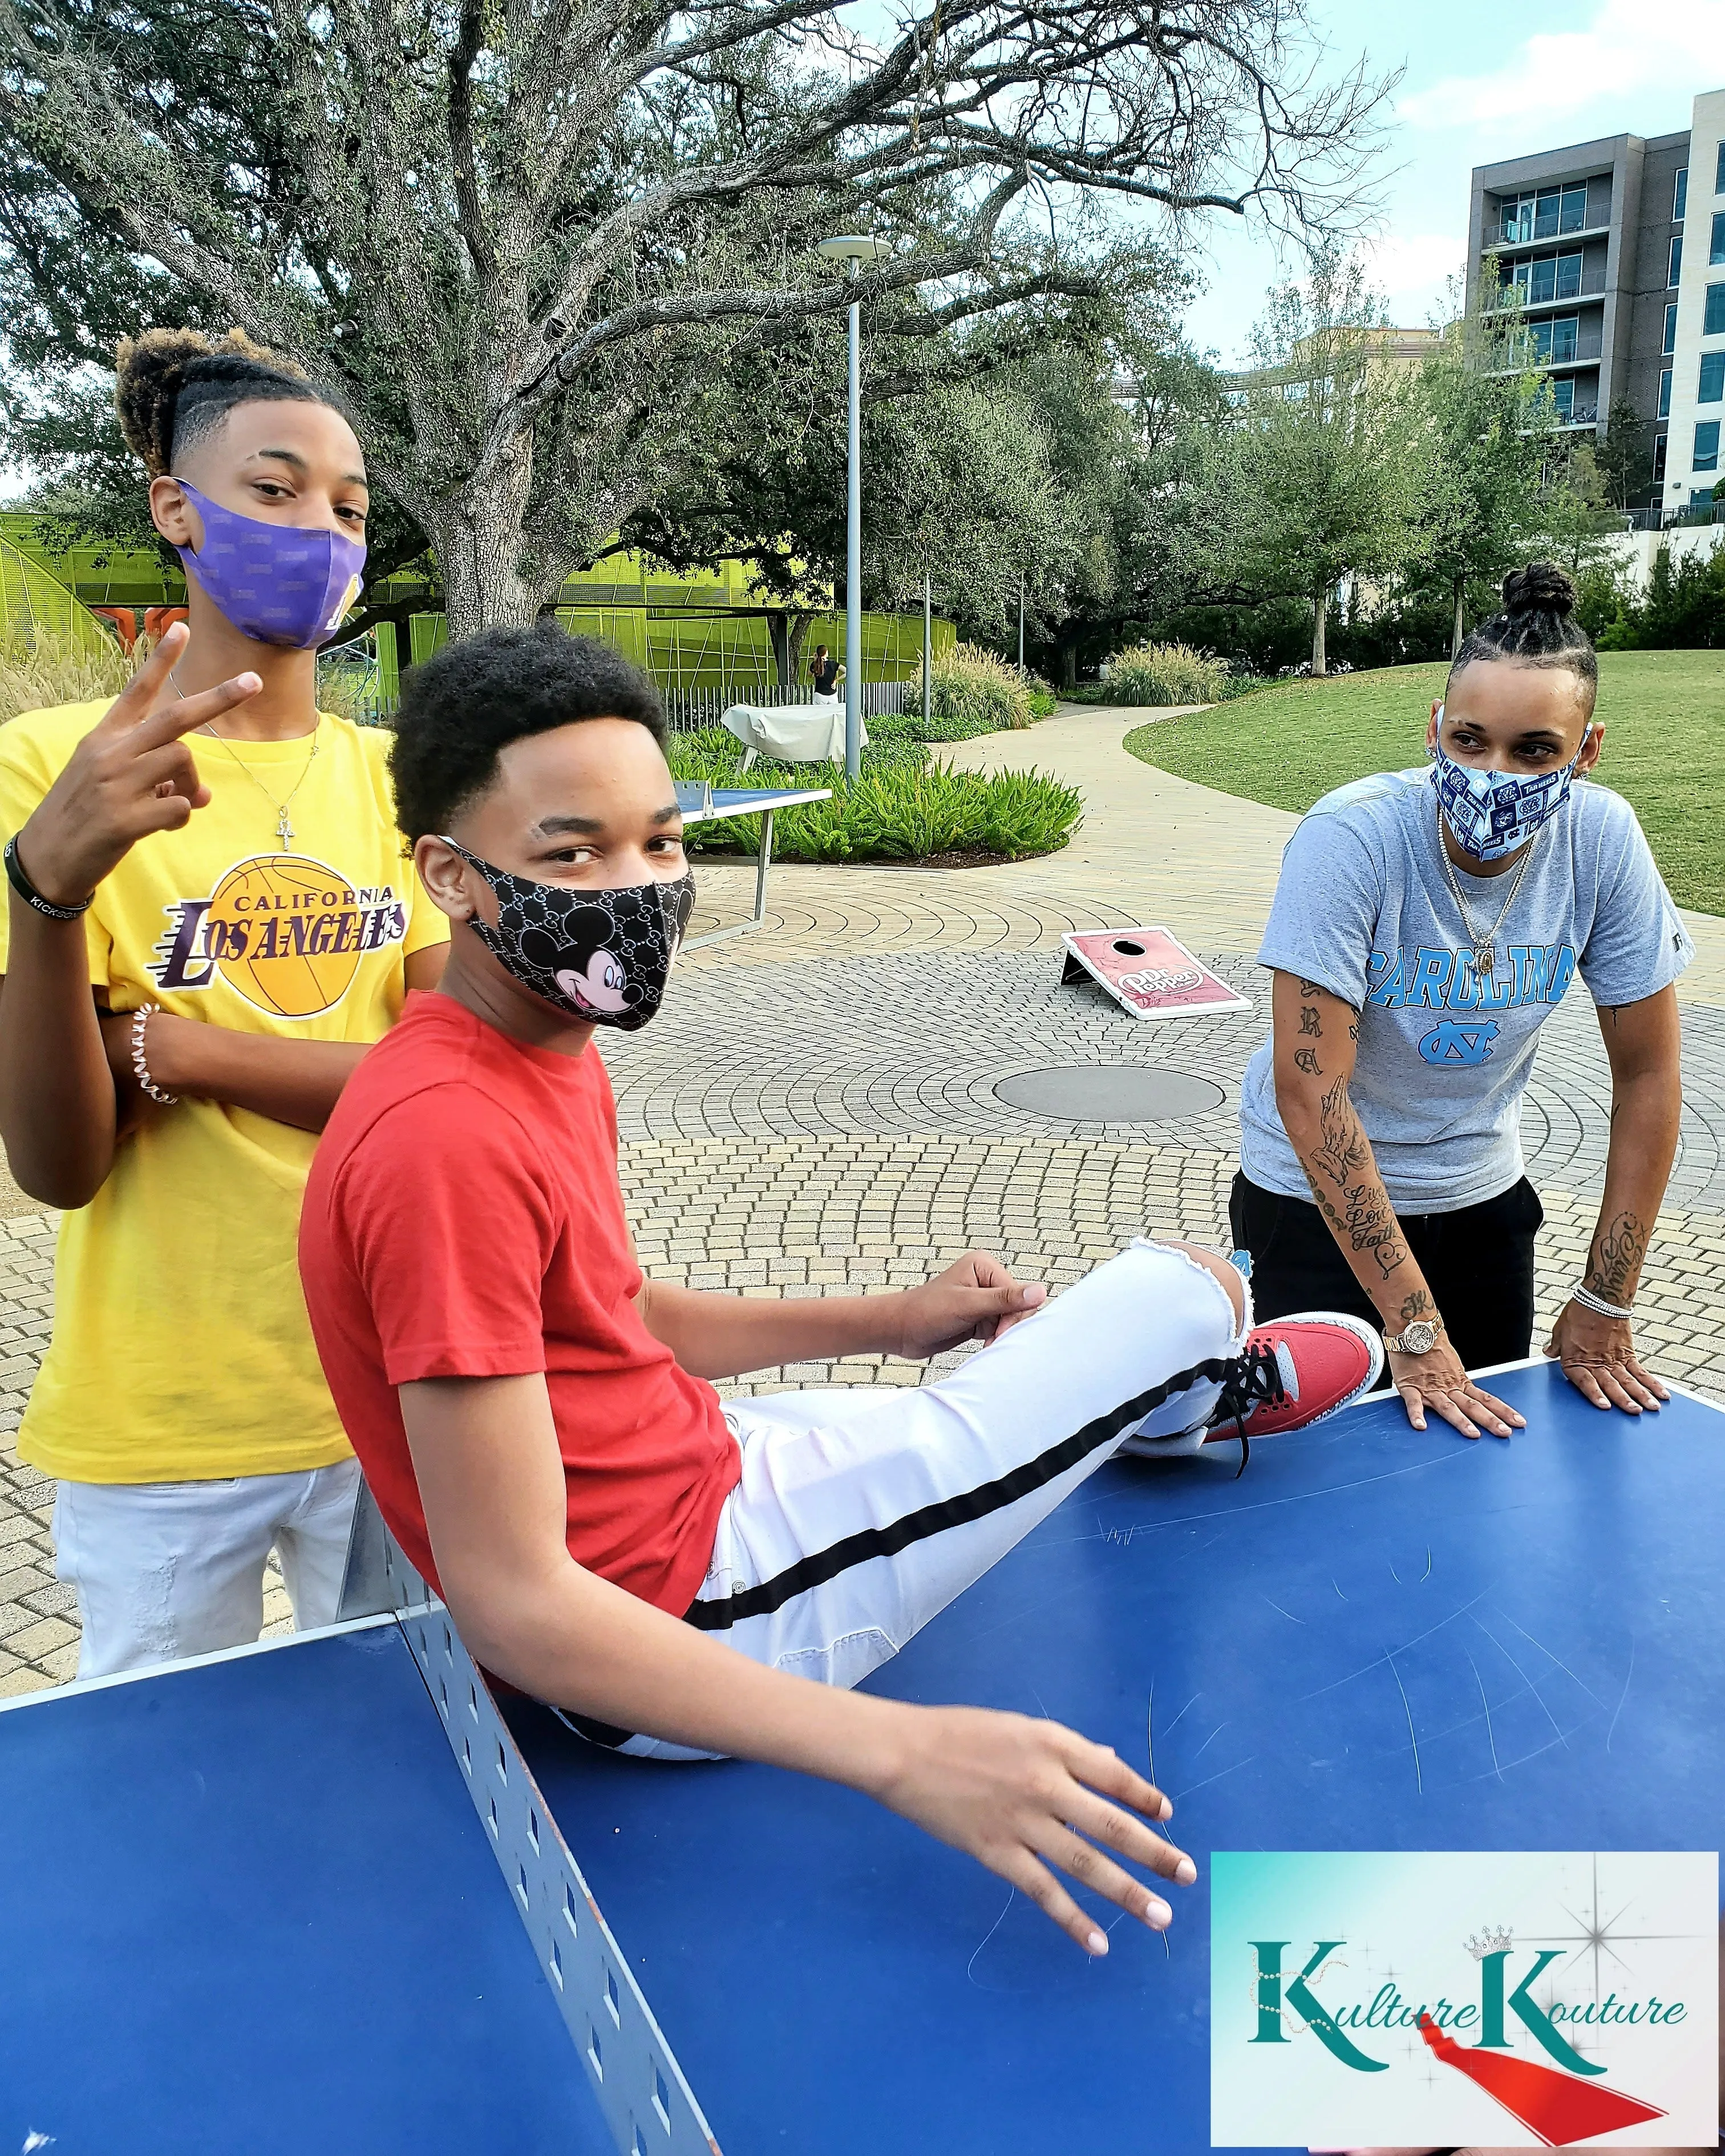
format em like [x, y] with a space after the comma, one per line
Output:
[703, 804]
[325, 1893]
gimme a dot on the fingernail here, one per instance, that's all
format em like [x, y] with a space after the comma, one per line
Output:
[1158, 1915]
[1098, 1943]
[1035, 1292]
[249, 681]
[1185, 1872]
[1168, 1809]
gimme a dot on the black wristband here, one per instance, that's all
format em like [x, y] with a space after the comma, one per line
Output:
[27, 891]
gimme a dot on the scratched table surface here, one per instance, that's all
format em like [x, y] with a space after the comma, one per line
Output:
[247, 1903]
[1373, 1640]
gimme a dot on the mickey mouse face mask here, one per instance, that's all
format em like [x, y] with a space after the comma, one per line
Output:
[600, 955]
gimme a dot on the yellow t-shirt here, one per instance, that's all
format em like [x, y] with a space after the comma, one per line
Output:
[181, 1349]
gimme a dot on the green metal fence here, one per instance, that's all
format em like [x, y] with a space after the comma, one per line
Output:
[35, 606]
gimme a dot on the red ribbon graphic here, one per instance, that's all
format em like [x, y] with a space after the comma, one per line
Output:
[1557, 2107]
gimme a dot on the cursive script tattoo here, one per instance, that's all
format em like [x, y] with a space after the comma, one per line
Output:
[1343, 1151]
[1614, 1265]
[1419, 1304]
[1312, 987]
[1308, 1020]
[1354, 1033]
[1306, 1059]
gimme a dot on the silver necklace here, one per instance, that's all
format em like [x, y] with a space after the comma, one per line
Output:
[283, 826]
[1484, 956]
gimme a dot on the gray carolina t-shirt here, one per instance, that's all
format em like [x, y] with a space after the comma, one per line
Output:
[1363, 908]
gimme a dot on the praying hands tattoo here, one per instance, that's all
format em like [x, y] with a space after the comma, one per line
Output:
[1361, 1215]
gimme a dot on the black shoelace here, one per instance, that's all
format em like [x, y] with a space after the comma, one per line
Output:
[1254, 1379]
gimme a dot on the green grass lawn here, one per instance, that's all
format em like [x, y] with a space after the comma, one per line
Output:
[1664, 713]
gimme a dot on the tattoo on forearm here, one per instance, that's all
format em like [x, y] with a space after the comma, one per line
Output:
[1343, 1151]
[1308, 1020]
[1419, 1304]
[1306, 1059]
[1614, 1265]
[1364, 1220]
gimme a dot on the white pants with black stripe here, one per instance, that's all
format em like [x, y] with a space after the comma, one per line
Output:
[862, 1512]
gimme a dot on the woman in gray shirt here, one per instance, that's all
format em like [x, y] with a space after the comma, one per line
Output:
[1425, 924]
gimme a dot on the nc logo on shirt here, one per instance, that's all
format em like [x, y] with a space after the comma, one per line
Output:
[1453, 1040]
[284, 931]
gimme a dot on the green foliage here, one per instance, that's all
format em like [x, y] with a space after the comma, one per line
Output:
[1165, 673]
[902, 808]
[1664, 713]
[1682, 608]
[58, 670]
[972, 692]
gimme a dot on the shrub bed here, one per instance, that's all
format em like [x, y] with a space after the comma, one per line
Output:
[974, 692]
[901, 808]
[1166, 674]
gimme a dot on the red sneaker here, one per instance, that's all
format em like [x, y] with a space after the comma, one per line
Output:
[1296, 1371]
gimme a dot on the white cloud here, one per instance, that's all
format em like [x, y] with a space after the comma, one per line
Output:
[1628, 48]
[1411, 270]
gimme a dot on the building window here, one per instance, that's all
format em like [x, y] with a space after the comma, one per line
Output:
[1543, 215]
[1544, 278]
[1659, 460]
[1716, 253]
[1679, 195]
[1712, 378]
[1677, 262]
[1671, 326]
[1706, 446]
[1553, 340]
[1719, 172]
[1665, 395]
[1563, 393]
[1713, 321]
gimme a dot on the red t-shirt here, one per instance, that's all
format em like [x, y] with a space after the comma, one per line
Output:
[463, 1220]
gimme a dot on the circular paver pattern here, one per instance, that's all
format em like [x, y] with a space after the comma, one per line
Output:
[1109, 1093]
[936, 1041]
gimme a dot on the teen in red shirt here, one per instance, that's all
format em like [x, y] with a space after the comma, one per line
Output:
[537, 1421]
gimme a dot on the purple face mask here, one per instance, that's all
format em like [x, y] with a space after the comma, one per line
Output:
[277, 583]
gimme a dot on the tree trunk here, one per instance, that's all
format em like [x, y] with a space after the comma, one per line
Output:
[1456, 640]
[488, 582]
[1320, 615]
[798, 637]
[1069, 667]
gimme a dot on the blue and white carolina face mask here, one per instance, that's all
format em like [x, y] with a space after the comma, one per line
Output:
[1495, 813]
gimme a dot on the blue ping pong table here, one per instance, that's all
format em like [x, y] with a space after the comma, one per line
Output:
[703, 804]
[324, 1894]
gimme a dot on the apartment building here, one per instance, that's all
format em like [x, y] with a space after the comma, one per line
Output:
[1615, 251]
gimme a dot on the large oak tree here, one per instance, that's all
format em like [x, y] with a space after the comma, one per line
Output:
[523, 236]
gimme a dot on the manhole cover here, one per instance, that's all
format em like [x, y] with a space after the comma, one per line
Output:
[1109, 1093]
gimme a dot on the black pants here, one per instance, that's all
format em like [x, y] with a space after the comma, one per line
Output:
[1479, 1262]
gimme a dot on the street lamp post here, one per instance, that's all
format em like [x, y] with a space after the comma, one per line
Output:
[854, 249]
[927, 658]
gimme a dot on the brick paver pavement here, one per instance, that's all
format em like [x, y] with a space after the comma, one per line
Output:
[814, 1111]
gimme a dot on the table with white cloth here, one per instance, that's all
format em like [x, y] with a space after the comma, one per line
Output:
[792, 733]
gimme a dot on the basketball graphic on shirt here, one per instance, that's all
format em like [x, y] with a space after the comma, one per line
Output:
[288, 932]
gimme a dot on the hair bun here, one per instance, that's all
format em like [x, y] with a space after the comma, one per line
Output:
[1542, 587]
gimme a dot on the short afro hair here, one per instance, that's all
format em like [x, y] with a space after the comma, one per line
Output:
[471, 700]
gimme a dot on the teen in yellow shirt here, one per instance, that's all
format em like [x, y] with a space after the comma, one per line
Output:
[248, 895]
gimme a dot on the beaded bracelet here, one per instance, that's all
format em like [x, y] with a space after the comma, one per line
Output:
[1597, 1303]
[140, 1070]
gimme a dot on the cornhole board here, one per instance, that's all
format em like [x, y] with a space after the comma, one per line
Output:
[1148, 972]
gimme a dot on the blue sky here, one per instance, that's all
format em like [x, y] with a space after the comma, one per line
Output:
[1480, 84]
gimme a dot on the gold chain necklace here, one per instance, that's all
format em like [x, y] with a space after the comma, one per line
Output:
[1485, 957]
[283, 826]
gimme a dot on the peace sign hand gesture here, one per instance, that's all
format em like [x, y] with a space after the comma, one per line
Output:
[131, 774]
